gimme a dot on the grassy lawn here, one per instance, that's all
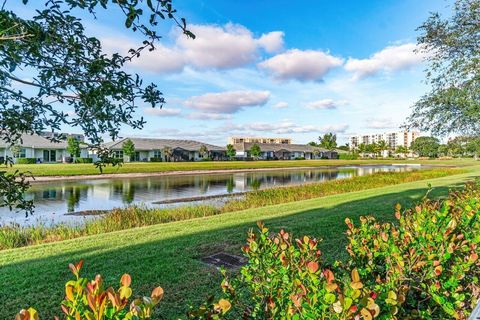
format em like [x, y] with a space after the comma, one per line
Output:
[145, 167]
[167, 254]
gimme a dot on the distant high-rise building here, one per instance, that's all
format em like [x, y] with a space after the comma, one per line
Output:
[393, 139]
[235, 140]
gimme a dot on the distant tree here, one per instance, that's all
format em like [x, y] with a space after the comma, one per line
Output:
[425, 146]
[231, 152]
[402, 150]
[313, 144]
[452, 51]
[328, 141]
[381, 146]
[167, 153]
[203, 151]
[255, 151]
[362, 149]
[443, 150]
[345, 147]
[73, 147]
[128, 148]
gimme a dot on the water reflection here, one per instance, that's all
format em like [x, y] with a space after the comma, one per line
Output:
[53, 200]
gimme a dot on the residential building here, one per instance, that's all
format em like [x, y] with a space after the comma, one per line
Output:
[284, 151]
[149, 149]
[235, 140]
[39, 148]
[393, 139]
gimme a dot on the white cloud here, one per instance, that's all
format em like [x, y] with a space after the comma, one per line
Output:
[281, 105]
[161, 60]
[326, 104]
[227, 102]
[171, 112]
[390, 59]
[380, 123]
[220, 47]
[272, 42]
[208, 116]
[300, 65]
[287, 127]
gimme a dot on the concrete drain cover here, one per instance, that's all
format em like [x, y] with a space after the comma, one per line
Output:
[228, 261]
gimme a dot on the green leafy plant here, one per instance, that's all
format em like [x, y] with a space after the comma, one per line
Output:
[83, 160]
[87, 299]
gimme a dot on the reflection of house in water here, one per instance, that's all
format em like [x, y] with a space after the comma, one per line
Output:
[69, 194]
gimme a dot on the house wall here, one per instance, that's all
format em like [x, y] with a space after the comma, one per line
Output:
[37, 153]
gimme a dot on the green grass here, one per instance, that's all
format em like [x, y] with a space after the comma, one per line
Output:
[167, 254]
[125, 218]
[149, 167]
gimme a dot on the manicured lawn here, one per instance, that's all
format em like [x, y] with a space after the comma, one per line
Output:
[142, 167]
[167, 254]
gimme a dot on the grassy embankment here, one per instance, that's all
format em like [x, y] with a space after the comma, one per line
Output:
[168, 254]
[125, 218]
[151, 167]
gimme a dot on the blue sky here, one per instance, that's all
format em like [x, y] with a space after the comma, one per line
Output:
[279, 68]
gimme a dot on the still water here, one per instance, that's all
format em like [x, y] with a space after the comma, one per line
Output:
[54, 200]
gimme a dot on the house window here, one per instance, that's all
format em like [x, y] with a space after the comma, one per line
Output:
[118, 154]
[21, 153]
[157, 154]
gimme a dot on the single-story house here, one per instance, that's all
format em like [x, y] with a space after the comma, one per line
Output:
[284, 151]
[147, 149]
[39, 149]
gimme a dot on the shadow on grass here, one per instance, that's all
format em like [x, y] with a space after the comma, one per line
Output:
[174, 263]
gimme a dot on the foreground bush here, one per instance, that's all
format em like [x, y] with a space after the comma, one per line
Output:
[87, 299]
[12, 236]
[425, 266]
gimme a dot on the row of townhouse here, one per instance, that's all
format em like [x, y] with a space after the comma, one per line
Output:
[42, 150]
[278, 151]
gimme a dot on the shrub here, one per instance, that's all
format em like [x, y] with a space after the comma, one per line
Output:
[425, 266]
[83, 160]
[299, 158]
[347, 156]
[156, 159]
[87, 299]
[26, 161]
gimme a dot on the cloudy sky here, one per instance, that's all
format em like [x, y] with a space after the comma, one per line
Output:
[279, 68]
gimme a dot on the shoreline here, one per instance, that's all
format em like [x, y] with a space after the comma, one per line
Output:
[41, 179]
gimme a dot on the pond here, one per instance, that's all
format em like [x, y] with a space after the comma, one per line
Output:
[56, 201]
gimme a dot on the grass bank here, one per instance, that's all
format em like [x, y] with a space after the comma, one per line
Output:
[168, 254]
[121, 219]
[159, 167]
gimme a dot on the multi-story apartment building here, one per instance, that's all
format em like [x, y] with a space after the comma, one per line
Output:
[393, 139]
[235, 140]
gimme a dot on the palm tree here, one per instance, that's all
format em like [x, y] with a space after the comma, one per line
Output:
[402, 150]
[167, 153]
[382, 146]
[362, 149]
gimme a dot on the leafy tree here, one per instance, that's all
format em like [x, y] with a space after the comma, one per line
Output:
[68, 68]
[73, 147]
[313, 144]
[255, 151]
[362, 148]
[425, 146]
[167, 153]
[203, 151]
[345, 147]
[453, 73]
[328, 141]
[128, 148]
[402, 150]
[231, 152]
